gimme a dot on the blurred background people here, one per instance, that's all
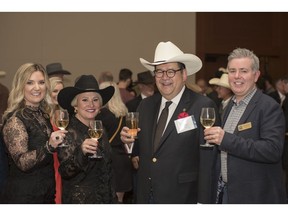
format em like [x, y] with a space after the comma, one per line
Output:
[223, 91]
[285, 151]
[85, 180]
[4, 94]
[190, 83]
[105, 76]
[268, 84]
[29, 138]
[124, 85]
[113, 118]
[146, 85]
[278, 95]
[56, 70]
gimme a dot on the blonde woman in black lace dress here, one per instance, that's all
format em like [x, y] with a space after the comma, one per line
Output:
[29, 138]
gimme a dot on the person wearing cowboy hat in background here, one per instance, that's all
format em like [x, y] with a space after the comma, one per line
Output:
[169, 169]
[146, 85]
[85, 180]
[56, 70]
[223, 91]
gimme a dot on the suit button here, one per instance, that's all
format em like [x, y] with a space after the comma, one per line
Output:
[154, 159]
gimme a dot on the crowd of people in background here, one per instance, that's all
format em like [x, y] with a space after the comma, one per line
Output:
[248, 162]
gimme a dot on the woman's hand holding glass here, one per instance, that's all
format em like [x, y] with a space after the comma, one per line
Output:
[57, 138]
[61, 120]
[95, 131]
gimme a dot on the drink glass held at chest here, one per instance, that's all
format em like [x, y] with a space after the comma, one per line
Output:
[132, 119]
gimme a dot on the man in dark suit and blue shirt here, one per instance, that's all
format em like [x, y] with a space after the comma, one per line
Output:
[250, 142]
[169, 169]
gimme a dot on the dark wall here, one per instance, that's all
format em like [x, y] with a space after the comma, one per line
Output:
[218, 33]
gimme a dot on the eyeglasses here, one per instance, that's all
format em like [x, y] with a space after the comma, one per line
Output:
[169, 73]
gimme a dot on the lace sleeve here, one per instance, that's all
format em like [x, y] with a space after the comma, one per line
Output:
[16, 140]
[72, 160]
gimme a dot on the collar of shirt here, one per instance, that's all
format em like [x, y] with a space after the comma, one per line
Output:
[143, 96]
[174, 104]
[246, 99]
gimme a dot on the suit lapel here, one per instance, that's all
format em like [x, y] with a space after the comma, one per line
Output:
[248, 111]
[184, 103]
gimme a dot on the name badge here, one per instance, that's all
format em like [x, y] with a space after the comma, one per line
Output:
[245, 126]
[185, 124]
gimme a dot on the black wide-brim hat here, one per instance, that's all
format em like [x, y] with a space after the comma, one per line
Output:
[56, 68]
[145, 78]
[85, 83]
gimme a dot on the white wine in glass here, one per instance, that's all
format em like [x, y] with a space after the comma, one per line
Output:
[95, 131]
[207, 119]
[61, 121]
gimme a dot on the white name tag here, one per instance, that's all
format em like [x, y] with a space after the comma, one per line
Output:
[185, 124]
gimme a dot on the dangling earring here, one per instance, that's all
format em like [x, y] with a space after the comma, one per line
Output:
[75, 110]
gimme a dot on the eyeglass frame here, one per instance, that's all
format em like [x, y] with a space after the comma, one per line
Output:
[166, 71]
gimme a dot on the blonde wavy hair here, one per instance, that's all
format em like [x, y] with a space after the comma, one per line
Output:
[115, 104]
[16, 100]
[54, 81]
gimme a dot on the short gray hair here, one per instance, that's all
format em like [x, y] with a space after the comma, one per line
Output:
[245, 53]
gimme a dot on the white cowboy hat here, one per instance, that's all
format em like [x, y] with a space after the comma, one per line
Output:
[167, 52]
[222, 81]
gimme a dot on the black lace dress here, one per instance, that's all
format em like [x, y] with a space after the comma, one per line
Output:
[31, 172]
[84, 180]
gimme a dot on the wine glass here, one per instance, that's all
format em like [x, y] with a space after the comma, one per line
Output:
[207, 119]
[61, 121]
[95, 131]
[132, 119]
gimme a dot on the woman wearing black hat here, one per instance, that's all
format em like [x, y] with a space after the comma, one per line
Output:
[85, 180]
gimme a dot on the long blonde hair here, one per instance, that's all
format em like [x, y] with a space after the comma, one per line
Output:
[16, 97]
[54, 81]
[115, 104]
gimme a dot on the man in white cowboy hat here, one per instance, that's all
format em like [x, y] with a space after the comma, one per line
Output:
[223, 90]
[169, 165]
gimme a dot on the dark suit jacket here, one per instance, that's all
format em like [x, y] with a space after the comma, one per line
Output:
[276, 96]
[254, 154]
[172, 171]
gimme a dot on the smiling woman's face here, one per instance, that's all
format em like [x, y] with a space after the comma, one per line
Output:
[88, 106]
[35, 89]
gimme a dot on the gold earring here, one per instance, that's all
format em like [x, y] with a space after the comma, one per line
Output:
[75, 110]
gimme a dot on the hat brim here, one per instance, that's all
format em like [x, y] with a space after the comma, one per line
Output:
[66, 95]
[217, 81]
[192, 63]
[64, 72]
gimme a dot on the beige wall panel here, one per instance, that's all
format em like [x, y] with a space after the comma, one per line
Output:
[88, 43]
